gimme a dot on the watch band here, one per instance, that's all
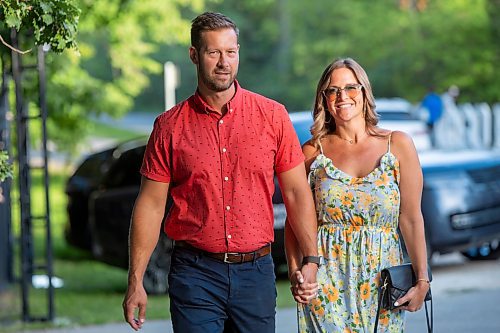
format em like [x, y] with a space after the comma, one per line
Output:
[318, 260]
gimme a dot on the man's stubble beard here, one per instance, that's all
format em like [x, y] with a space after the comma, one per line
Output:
[213, 84]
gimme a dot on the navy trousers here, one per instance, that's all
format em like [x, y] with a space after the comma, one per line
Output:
[208, 296]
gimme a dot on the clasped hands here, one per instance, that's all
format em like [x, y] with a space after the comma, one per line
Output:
[303, 283]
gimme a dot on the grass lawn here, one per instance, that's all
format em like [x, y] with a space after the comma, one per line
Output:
[92, 291]
[105, 131]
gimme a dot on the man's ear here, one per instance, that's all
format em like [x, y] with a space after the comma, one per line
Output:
[193, 55]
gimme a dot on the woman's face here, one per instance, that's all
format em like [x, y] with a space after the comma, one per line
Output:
[344, 96]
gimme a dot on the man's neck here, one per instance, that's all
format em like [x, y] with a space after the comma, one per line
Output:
[217, 99]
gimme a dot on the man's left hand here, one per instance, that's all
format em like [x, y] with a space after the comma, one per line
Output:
[304, 286]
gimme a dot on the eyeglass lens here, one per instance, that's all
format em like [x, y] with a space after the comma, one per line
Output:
[351, 91]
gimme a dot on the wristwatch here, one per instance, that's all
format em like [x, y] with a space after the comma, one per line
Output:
[318, 260]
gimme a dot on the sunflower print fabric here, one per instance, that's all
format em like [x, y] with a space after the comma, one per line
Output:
[357, 235]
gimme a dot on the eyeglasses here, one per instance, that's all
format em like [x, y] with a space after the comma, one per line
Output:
[352, 90]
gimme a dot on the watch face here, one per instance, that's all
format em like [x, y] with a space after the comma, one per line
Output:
[315, 260]
[318, 260]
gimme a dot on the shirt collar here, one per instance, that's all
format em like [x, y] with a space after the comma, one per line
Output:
[204, 107]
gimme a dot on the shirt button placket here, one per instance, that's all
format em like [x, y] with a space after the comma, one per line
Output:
[226, 191]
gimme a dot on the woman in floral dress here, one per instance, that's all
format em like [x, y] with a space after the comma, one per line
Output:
[367, 182]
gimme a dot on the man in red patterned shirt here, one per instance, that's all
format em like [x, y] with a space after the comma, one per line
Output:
[216, 154]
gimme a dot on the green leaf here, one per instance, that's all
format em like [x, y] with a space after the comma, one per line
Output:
[12, 20]
[47, 19]
[46, 7]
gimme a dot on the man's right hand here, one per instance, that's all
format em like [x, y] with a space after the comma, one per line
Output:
[135, 298]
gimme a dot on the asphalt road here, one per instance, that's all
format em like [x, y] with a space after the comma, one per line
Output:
[466, 300]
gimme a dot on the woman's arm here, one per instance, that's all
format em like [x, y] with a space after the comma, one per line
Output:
[302, 293]
[411, 222]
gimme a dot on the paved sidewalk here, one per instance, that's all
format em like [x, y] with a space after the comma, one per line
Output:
[465, 296]
[452, 313]
[286, 322]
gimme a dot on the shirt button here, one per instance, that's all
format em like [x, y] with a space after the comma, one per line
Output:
[229, 236]
[221, 121]
[224, 150]
[226, 178]
[230, 110]
[228, 208]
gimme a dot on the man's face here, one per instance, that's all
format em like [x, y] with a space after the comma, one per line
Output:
[217, 60]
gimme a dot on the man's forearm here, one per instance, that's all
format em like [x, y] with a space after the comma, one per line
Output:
[292, 250]
[144, 233]
[300, 210]
[302, 219]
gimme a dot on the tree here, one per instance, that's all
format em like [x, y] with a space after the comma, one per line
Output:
[403, 49]
[405, 46]
[116, 40]
[50, 22]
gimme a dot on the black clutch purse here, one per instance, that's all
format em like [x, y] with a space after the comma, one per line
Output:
[396, 281]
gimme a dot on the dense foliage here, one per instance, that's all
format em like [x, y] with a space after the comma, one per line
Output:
[52, 22]
[405, 46]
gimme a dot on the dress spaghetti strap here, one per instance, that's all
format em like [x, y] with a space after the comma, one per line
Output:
[389, 143]
[320, 147]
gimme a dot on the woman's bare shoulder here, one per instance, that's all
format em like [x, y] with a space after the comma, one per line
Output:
[401, 139]
[402, 146]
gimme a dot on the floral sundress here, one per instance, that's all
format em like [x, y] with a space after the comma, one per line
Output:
[358, 237]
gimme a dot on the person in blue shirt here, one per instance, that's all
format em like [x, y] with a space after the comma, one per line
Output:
[433, 103]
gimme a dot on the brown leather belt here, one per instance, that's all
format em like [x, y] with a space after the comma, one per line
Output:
[229, 257]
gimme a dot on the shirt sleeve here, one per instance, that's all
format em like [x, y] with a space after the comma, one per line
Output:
[289, 153]
[156, 161]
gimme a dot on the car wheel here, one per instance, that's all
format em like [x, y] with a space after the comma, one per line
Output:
[488, 251]
[156, 275]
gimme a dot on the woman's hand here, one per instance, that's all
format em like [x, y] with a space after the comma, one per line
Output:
[415, 297]
[302, 291]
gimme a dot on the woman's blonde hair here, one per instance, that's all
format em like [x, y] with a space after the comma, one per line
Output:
[323, 121]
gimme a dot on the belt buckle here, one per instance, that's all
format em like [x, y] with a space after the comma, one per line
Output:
[226, 254]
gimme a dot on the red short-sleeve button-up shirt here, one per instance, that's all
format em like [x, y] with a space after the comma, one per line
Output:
[221, 169]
